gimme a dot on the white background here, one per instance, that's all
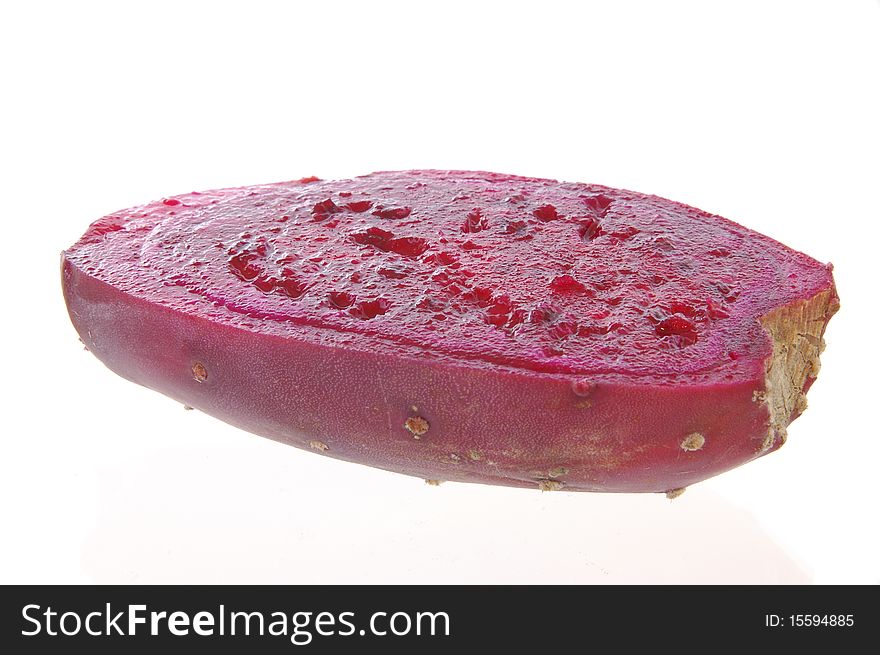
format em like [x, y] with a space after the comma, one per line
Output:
[765, 112]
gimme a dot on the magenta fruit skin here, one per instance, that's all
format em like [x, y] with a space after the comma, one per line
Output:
[453, 325]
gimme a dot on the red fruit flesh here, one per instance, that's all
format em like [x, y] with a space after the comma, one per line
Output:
[462, 326]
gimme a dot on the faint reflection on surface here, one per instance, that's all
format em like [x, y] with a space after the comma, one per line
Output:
[199, 517]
